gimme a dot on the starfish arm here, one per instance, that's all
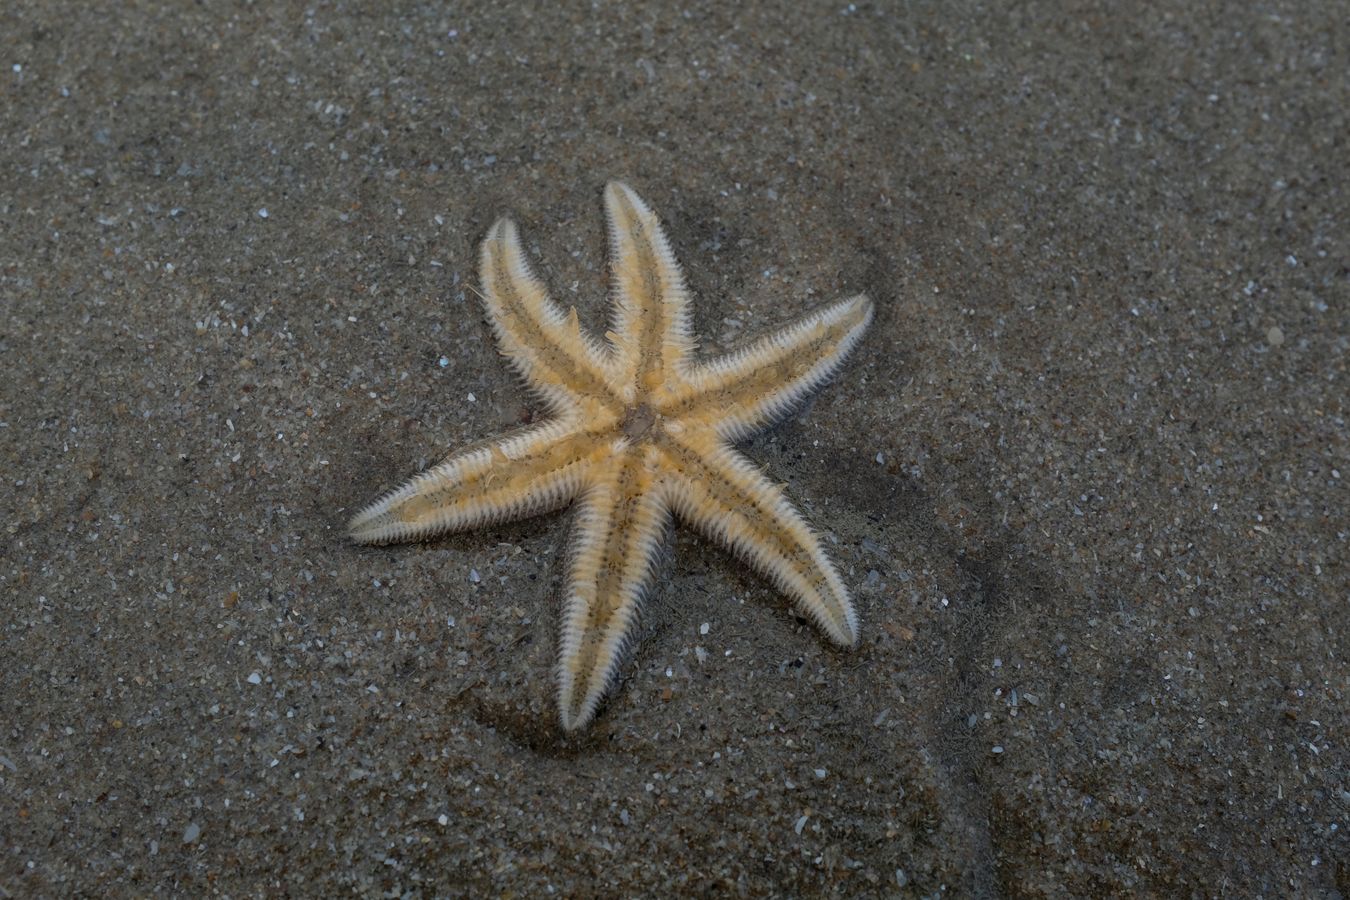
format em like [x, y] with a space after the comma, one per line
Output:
[651, 304]
[724, 496]
[511, 477]
[550, 349]
[621, 520]
[745, 390]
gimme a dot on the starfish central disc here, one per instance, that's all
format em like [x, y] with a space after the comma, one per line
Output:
[637, 421]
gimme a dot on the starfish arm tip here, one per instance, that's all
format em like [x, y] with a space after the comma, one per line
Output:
[578, 698]
[848, 637]
[379, 522]
[502, 239]
[574, 723]
[860, 309]
[843, 619]
[618, 194]
[840, 625]
[366, 527]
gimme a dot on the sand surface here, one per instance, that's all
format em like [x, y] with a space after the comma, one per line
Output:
[1086, 476]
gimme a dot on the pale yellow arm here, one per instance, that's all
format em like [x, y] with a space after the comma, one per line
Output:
[621, 521]
[651, 304]
[512, 477]
[550, 349]
[745, 390]
[725, 497]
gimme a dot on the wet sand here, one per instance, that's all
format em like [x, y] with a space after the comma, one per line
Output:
[1085, 476]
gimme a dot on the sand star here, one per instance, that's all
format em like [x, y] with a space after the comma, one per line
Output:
[638, 430]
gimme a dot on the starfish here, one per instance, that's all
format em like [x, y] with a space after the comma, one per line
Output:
[638, 430]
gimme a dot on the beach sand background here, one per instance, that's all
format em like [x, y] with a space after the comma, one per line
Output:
[1086, 475]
